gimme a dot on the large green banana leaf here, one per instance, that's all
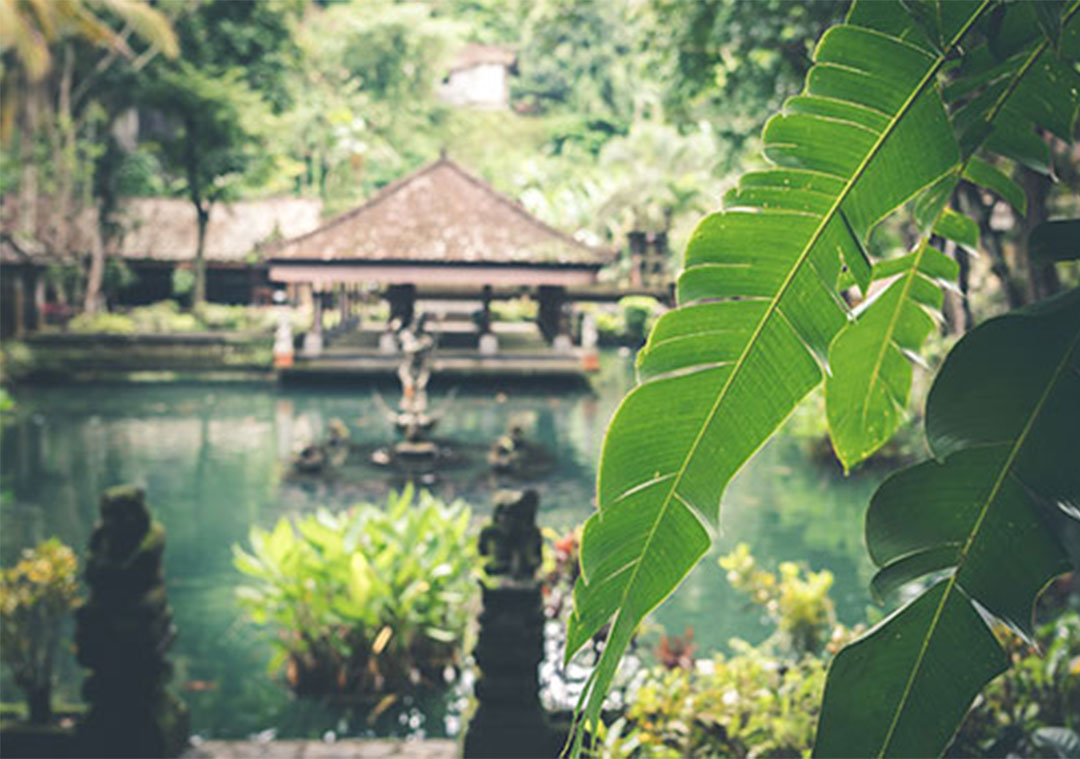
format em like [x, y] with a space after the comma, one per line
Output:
[1001, 103]
[1002, 420]
[758, 308]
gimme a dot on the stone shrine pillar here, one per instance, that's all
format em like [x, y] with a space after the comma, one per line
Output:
[509, 721]
[122, 634]
[313, 338]
[283, 339]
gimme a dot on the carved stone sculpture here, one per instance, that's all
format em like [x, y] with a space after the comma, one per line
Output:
[122, 634]
[509, 721]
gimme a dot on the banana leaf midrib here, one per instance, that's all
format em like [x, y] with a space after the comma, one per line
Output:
[999, 481]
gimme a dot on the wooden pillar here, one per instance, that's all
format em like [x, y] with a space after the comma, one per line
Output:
[313, 338]
[19, 285]
[485, 310]
[39, 299]
[402, 300]
[549, 314]
[638, 243]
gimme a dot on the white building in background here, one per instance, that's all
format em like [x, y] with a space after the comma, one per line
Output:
[479, 77]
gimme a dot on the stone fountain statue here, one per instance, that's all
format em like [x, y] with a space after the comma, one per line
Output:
[414, 371]
[412, 419]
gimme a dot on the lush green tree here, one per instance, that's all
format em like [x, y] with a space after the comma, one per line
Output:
[219, 102]
[732, 63]
[904, 103]
[59, 64]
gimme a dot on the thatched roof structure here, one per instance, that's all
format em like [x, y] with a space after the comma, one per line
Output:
[438, 218]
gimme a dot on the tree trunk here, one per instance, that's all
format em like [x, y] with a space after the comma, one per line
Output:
[1042, 277]
[63, 206]
[39, 702]
[94, 277]
[199, 296]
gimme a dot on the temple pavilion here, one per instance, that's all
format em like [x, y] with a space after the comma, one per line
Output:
[440, 232]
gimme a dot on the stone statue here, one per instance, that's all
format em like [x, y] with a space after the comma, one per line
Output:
[512, 541]
[415, 368]
[122, 634]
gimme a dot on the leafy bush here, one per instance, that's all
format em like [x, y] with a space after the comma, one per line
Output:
[112, 324]
[749, 704]
[35, 596]
[638, 313]
[799, 606]
[165, 317]
[366, 601]
[219, 316]
[765, 700]
[514, 310]
[1036, 704]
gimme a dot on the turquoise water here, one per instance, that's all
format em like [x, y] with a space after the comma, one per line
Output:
[214, 461]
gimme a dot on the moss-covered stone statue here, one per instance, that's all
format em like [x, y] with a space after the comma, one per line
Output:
[122, 634]
[509, 721]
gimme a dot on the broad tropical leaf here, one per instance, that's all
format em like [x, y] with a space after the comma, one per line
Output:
[1001, 418]
[869, 385]
[757, 309]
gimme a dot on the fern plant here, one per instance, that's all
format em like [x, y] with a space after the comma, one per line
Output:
[760, 320]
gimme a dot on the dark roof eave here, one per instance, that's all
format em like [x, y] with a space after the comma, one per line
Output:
[369, 262]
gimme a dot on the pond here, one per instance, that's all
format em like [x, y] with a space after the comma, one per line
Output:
[214, 461]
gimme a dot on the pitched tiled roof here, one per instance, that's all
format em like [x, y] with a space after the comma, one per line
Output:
[165, 229]
[439, 214]
[474, 54]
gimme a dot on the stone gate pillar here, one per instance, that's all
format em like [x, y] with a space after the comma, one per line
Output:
[509, 721]
[122, 634]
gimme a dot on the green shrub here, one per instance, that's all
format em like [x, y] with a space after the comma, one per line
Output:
[366, 601]
[764, 700]
[796, 600]
[219, 316]
[514, 310]
[113, 324]
[638, 313]
[1020, 713]
[748, 704]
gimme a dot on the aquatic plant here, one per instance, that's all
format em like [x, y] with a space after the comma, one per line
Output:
[35, 596]
[368, 601]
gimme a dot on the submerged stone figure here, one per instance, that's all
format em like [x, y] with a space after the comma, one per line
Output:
[514, 455]
[122, 634]
[315, 457]
[509, 721]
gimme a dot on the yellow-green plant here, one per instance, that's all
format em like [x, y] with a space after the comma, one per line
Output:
[796, 600]
[35, 596]
[367, 601]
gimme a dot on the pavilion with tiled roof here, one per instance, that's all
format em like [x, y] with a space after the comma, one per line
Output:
[439, 227]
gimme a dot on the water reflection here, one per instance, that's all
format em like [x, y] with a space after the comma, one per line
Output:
[215, 460]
